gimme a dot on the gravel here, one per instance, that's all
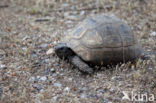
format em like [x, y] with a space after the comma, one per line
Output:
[58, 85]
[37, 86]
[30, 72]
[2, 66]
[50, 51]
[153, 33]
[43, 46]
[43, 78]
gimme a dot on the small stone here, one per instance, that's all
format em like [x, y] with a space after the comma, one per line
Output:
[93, 96]
[50, 51]
[33, 55]
[54, 75]
[52, 70]
[72, 17]
[44, 46]
[46, 72]
[129, 85]
[66, 14]
[2, 66]
[84, 88]
[2, 52]
[83, 95]
[58, 85]
[68, 22]
[82, 12]
[44, 78]
[55, 42]
[38, 77]
[67, 89]
[112, 90]
[113, 78]
[55, 98]
[153, 33]
[32, 79]
[70, 79]
[65, 5]
[46, 60]
[56, 64]
[37, 86]
[121, 83]
[36, 63]
[24, 48]
[116, 78]
[25, 38]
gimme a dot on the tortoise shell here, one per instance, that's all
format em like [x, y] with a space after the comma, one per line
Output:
[103, 39]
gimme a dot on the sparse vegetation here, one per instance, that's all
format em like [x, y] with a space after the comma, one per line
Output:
[29, 75]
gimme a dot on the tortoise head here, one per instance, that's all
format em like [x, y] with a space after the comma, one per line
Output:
[63, 51]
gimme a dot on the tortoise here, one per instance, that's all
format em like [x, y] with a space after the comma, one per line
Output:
[99, 40]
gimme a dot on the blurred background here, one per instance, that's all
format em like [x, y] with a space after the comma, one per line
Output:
[31, 73]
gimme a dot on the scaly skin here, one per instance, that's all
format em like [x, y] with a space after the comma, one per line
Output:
[63, 52]
[82, 66]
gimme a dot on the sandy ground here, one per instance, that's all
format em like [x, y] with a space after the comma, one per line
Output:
[30, 72]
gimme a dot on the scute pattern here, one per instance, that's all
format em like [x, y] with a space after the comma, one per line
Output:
[126, 34]
[92, 39]
[104, 39]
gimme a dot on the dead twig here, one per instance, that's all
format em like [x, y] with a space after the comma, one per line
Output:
[4, 6]
[42, 19]
[83, 9]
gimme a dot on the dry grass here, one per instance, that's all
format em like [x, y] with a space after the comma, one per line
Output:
[21, 51]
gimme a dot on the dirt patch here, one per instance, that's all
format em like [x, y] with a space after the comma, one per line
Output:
[30, 28]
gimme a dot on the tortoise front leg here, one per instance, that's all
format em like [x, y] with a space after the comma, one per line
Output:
[82, 66]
